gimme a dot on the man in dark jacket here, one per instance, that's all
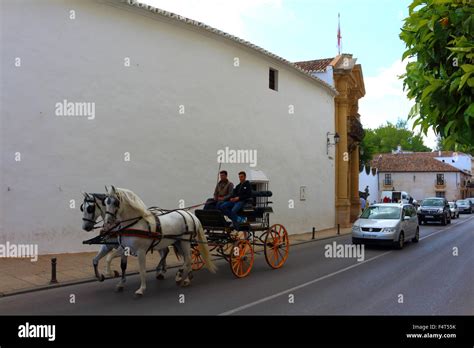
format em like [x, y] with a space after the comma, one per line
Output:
[222, 192]
[242, 192]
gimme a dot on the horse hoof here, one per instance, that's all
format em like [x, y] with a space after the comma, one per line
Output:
[160, 276]
[179, 282]
[185, 283]
[138, 294]
[101, 278]
[116, 274]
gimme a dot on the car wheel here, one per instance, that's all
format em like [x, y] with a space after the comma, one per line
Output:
[416, 239]
[354, 241]
[443, 221]
[420, 221]
[401, 241]
[449, 220]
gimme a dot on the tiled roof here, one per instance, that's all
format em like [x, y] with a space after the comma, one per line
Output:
[315, 65]
[411, 162]
[245, 43]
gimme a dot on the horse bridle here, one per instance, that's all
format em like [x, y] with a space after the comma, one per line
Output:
[116, 205]
[91, 209]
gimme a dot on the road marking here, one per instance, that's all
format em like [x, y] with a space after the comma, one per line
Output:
[447, 228]
[265, 299]
[271, 297]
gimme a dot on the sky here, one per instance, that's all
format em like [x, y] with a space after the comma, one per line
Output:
[307, 29]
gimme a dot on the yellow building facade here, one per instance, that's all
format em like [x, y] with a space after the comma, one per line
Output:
[343, 72]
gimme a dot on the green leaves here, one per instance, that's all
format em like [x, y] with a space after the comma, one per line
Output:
[439, 35]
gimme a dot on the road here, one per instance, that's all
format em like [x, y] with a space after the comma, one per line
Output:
[421, 279]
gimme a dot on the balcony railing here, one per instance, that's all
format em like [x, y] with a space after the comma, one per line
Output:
[440, 184]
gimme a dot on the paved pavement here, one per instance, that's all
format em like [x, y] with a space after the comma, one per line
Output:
[18, 275]
[426, 278]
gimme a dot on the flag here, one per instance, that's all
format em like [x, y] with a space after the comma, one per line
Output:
[339, 37]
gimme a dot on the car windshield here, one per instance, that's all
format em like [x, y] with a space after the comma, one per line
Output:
[433, 202]
[462, 202]
[381, 212]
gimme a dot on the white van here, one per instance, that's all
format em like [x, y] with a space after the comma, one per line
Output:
[396, 197]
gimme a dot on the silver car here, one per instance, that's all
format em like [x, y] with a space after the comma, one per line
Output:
[453, 207]
[387, 223]
[464, 206]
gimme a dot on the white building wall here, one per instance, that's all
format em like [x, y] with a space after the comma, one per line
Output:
[327, 76]
[172, 156]
[462, 161]
[422, 184]
[370, 180]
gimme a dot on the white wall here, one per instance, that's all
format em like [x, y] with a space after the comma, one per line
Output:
[422, 184]
[173, 156]
[462, 161]
[371, 181]
[327, 76]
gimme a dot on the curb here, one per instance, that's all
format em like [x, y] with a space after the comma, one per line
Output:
[91, 280]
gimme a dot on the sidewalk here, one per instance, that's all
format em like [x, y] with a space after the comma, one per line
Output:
[19, 275]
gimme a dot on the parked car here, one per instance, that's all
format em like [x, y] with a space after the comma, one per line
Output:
[434, 209]
[464, 206]
[454, 210]
[387, 223]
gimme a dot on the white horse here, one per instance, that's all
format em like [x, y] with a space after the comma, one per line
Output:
[93, 207]
[125, 210]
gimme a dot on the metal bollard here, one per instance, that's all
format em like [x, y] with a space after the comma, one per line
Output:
[338, 229]
[314, 230]
[53, 271]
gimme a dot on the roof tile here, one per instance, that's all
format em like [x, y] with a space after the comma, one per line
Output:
[411, 162]
[315, 65]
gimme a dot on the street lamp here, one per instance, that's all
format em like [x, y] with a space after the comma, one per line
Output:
[328, 141]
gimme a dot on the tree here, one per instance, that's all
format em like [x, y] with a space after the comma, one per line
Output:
[440, 74]
[386, 138]
[442, 146]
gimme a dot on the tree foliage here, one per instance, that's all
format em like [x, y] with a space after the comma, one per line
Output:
[386, 138]
[440, 74]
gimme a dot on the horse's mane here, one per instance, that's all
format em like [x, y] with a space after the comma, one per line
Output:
[129, 199]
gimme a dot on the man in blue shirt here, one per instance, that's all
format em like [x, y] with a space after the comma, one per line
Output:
[241, 193]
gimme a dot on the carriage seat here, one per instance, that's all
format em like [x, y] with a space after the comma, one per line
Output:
[212, 219]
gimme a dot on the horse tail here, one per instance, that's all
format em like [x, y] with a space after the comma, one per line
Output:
[204, 249]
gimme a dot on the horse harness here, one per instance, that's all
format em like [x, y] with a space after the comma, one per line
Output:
[157, 235]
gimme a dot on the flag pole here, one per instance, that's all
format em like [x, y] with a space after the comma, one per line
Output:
[339, 37]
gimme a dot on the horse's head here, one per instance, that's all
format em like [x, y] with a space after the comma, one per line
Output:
[112, 206]
[91, 209]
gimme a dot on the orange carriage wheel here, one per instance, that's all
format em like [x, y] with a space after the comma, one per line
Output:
[277, 246]
[197, 259]
[241, 258]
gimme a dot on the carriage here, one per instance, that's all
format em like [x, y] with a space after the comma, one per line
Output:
[215, 237]
[239, 247]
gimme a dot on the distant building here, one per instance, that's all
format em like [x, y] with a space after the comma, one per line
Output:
[424, 174]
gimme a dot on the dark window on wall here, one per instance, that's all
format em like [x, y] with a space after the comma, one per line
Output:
[440, 179]
[388, 180]
[273, 79]
[441, 194]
